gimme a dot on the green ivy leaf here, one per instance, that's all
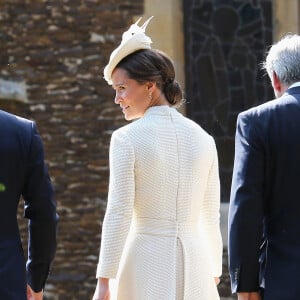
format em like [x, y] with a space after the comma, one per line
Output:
[2, 187]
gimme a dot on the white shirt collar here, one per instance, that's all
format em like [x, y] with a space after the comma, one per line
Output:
[294, 84]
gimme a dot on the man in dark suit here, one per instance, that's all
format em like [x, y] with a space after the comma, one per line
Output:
[264, 214]
[23, 173]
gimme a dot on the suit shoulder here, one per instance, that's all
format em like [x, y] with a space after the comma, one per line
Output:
[263, 109]
[270, 106]
[17, 129]
[9, 117]
[14, 123]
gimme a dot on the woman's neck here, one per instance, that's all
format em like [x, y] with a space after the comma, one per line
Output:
[159, 99]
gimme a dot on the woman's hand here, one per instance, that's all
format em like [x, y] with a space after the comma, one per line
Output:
[217, 280]
[102, 289]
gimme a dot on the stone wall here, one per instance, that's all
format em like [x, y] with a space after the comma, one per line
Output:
[59, 48]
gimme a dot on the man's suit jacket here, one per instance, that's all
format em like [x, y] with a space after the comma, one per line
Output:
[23, 173]
[264, 214]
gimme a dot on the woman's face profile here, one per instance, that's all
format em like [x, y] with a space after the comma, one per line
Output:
[132, 96]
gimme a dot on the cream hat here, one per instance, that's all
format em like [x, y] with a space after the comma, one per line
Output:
[132, 40]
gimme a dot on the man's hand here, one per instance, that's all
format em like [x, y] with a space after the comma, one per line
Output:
[31, 295]
[249, 296]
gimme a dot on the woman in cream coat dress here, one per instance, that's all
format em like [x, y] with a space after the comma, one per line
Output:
[160, 236]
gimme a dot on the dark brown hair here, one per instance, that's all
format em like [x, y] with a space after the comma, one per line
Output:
[154, 66]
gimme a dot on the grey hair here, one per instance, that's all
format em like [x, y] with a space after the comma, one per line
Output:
[283, 59]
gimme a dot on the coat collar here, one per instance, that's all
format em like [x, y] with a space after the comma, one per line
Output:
[163, 110]
[292, 90]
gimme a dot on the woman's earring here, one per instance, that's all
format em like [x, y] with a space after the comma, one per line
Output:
[150, 96]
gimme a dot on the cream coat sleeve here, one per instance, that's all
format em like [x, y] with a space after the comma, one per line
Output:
[211, 215]
[119, 210]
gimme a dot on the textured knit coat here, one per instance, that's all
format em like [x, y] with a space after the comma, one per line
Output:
[161, 236]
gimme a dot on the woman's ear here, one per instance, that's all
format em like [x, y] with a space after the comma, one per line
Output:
[150, 86]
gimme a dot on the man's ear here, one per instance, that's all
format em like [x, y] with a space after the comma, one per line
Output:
[277, 85]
